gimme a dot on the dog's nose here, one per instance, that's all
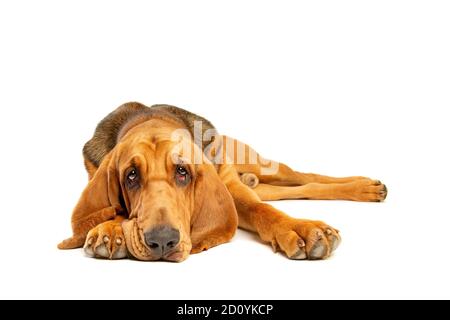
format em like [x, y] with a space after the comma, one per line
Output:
[162, 239]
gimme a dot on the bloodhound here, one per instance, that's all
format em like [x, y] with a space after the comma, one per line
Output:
[164, 184]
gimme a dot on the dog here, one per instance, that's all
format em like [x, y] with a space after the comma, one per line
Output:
[164, 184]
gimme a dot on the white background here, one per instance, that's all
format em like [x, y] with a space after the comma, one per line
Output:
[333, 87]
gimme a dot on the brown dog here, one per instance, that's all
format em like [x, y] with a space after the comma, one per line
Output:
[163, 184]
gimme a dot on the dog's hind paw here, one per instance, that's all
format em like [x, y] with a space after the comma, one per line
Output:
[250, 180]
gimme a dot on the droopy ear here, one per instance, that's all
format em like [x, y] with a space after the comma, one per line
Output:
[215, 218]
[99, 202]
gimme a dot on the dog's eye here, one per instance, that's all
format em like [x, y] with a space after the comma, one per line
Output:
[132, 178]
[182, 176]
[132, 175]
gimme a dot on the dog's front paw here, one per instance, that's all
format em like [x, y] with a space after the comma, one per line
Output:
[106, 241]
[305, 239]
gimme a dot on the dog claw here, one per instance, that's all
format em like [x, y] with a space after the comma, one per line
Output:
[105, 239]
[301, 243]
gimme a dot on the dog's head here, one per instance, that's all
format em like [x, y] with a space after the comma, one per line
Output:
[174, 205]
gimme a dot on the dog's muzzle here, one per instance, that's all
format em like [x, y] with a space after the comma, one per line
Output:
[159, 243]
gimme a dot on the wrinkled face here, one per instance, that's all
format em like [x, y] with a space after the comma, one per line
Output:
[158, 190]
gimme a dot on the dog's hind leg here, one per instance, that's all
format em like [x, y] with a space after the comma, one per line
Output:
[251, 175]
[361, 190]
[255, 169]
